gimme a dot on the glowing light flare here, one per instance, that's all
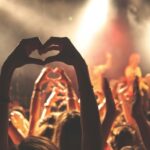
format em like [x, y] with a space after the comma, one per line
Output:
[147, 36]
[94, 17]
[143, 41]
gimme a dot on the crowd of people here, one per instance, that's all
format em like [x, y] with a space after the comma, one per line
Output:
[116, 117]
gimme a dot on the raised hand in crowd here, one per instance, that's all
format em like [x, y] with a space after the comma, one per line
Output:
[111, 112]
[18, 58]
[19, 121]
[71, 97]
[90, 123]
[37, 99]
[138, 114]
[53, 92]
[126, 101]
[14, 134]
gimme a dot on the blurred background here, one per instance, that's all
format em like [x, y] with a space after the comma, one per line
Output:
[96, 27]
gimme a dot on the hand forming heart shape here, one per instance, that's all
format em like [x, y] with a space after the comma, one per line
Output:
[20, 57]
[67, 52]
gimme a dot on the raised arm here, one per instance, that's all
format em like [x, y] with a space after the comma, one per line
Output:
[37, 100]
[72, 99]
[13, 133]
[17, 58]
[138, 114]
[90, 123]
[53, 97]
[111, 112]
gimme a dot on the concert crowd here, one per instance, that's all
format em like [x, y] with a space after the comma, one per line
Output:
[104, 114]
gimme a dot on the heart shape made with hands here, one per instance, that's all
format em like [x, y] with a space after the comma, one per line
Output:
[35, 54]
[44, 53]
[59, 49]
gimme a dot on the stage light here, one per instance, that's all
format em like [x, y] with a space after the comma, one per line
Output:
[143, 42]
[92, 20]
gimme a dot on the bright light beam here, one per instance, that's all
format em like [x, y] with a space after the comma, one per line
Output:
[143, 42]
[93, 19]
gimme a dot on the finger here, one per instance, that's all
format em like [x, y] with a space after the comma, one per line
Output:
[35, 61]
[46, 70]
[52, 59]
[45, 49]
[33, 42]
[57, 70]
[64, 75]
[107, 91]
[105, 85]
[53, 41]
[42, 75]
[37, 44]
[137, 95]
